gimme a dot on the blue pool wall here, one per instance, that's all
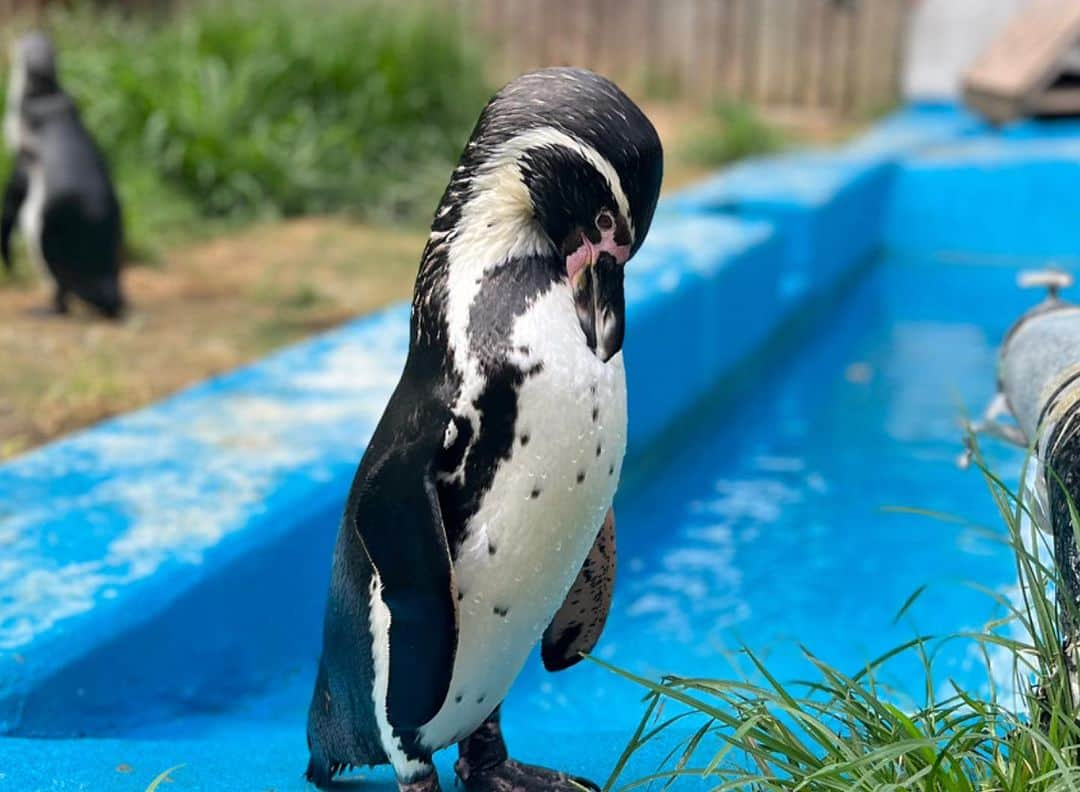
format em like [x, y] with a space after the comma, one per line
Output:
[172, 559]
[979, 195]
[828, 206]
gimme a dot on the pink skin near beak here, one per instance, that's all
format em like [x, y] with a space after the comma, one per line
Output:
[586, 255]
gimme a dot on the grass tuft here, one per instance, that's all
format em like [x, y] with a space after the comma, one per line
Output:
[732, 131]
[845, 732]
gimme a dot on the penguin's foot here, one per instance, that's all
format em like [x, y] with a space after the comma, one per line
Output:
[513, 776]
[429, 783]
[484, 766]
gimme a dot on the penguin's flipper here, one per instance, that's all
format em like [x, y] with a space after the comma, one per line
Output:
[394, 511]
[14, 194]
[578, 623]
[410, 553]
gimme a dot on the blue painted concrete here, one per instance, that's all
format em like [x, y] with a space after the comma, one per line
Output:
[982, 195]
[130, 535]
[167, 569]
[681, 327]
[259, 757]
[828, 205]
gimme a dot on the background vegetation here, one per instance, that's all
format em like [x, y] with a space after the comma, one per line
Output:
[731, 131]
[256, 108]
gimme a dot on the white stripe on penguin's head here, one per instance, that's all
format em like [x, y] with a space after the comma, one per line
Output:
[13, 110]
[518, 147]
[499, 222]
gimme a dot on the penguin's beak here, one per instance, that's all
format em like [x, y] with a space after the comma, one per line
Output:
[601, 307]
[596, 276]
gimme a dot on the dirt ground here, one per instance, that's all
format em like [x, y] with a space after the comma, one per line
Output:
[210, 306]
[206, 308]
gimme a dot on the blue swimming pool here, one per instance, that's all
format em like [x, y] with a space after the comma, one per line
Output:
[768, 526]
[753, 511]
[763, 525]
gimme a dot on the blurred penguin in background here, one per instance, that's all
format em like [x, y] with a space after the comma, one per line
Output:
[59, 194]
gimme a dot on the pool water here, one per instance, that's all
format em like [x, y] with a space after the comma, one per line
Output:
[770, 526]
[763, 523]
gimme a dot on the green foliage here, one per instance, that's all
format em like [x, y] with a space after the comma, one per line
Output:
[659, 84]
[846, 732]
[733, 131]
[261, 108]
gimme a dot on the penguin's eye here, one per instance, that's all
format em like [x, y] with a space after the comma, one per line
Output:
[604, 221]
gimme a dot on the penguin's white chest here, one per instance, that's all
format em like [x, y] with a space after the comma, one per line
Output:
[31, 217]
[536, 524]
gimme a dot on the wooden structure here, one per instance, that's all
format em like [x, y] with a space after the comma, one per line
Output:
[1032, 67]
[836, 56]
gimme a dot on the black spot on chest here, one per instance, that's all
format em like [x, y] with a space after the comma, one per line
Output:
[505, 294]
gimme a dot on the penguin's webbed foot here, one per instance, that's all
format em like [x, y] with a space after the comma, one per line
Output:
[483, 765]
[513, 776]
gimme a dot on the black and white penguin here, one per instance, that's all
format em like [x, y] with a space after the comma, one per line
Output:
[59, 194]
[479, 519]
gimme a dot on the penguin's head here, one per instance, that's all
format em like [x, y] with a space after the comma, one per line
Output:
[33, 57]
[32, 76]
[563, 165]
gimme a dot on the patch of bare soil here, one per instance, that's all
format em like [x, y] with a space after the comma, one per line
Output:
[205, 309]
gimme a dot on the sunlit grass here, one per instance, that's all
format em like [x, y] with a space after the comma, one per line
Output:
[847, 731]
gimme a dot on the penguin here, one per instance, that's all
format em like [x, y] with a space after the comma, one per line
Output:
[479, 520]
[60, 193]
[1038, 387]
